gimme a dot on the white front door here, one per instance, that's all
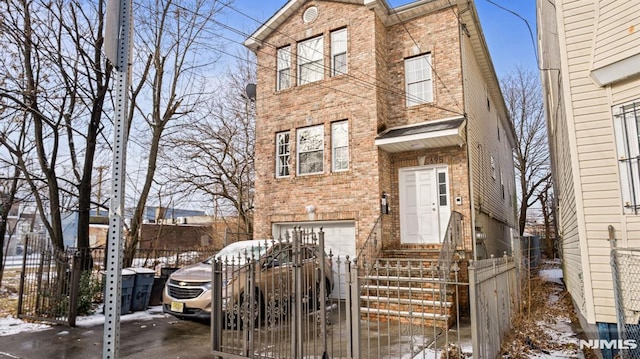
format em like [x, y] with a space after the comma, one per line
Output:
[423, 199]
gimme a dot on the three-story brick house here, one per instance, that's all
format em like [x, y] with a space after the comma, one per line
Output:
[368, 114]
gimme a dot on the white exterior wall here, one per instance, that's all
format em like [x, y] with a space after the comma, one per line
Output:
[585, 159]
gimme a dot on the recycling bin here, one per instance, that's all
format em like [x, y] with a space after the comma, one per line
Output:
[126, 292]
[142, 288]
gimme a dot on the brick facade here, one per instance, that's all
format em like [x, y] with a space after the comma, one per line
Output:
[371, 98]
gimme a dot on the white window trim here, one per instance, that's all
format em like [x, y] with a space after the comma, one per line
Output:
[283, 67]
[300, 150]
[335, 146]
[311, 57]
[280, 156]
[625, 123]
[339, 47]
[423, 77]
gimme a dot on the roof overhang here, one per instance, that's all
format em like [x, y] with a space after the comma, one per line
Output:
[432, 134]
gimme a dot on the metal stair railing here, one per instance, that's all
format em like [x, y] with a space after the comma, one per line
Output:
[371, 249]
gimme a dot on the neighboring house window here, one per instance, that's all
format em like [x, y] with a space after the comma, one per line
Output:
[340, 146]
[339, 52]
[502, 184]
[310, 61]
[284, 68]
[417, 76]
[625, 122]
[493, 167]
[310, 149]
[282, 154]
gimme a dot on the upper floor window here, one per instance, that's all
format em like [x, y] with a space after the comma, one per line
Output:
[282, 154]
[284, 68]
[340, 146]
[310, 148]
[417, 75]
[310, 61]
[626, 120]
[339, 52]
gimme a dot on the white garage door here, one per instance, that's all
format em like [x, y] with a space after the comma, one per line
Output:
[339, 238]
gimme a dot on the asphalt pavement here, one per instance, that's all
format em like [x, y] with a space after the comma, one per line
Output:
[157, 337]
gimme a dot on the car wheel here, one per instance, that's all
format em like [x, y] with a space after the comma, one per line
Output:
[314, 296]
[245, 311]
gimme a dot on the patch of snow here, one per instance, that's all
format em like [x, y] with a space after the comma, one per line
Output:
[11, 325]
[552, 275]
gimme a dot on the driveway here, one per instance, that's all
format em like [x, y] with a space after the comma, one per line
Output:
[157, 337]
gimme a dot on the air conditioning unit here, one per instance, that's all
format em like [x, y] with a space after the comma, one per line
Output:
[181, 220]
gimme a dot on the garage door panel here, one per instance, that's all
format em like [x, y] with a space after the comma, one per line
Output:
[340, 240]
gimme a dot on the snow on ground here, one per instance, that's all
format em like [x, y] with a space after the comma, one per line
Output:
[563, 339]
[11, 325]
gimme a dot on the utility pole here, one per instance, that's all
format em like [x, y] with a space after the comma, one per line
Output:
[117, 46]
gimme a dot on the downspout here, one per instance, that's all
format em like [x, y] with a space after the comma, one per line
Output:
[461, 33]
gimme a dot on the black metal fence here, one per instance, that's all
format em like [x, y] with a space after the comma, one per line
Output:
[58, 285]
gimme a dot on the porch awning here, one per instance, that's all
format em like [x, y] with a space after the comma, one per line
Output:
[432, 134]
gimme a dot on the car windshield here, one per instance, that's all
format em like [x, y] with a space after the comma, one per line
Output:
[239, 252]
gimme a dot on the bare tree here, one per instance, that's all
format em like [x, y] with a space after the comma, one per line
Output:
[55, 73]
[545, 197]
[217, 153]
[175, 38]
[522, 93]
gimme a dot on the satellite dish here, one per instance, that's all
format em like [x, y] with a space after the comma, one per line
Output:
[251, 91]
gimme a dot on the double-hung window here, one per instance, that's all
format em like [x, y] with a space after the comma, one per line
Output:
[310, 61]
[310, 148]
[338, 52]
[417, 76]
[282, 154]
[626, 123]
[284, 68]
[340, 146]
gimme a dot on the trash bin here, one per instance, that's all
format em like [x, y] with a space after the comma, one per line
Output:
[142, 288]
[128, 282]
[156, 290]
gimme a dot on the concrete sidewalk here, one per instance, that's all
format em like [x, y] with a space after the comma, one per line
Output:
[158, 337]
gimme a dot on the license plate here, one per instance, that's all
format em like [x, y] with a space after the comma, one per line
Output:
[177, 307]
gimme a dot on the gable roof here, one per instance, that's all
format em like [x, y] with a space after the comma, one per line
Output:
[268, 27]
[468, 18]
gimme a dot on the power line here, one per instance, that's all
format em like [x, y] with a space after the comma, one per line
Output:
[389, 89]
[420, 50]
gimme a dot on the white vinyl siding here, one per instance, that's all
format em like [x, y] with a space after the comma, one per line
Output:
[310, 149]
[614, 40]
[340, 146]
[283, 80]
[417, 76]
[339, 52]
[282, 154]
[310, 60]
[625, 121]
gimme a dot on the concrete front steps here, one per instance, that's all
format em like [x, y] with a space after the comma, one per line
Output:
[404, 285]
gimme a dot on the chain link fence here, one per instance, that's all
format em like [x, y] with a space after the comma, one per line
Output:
[625, 266]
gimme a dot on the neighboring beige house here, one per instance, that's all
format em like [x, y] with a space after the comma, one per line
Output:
[360, 105]
[590, 60]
